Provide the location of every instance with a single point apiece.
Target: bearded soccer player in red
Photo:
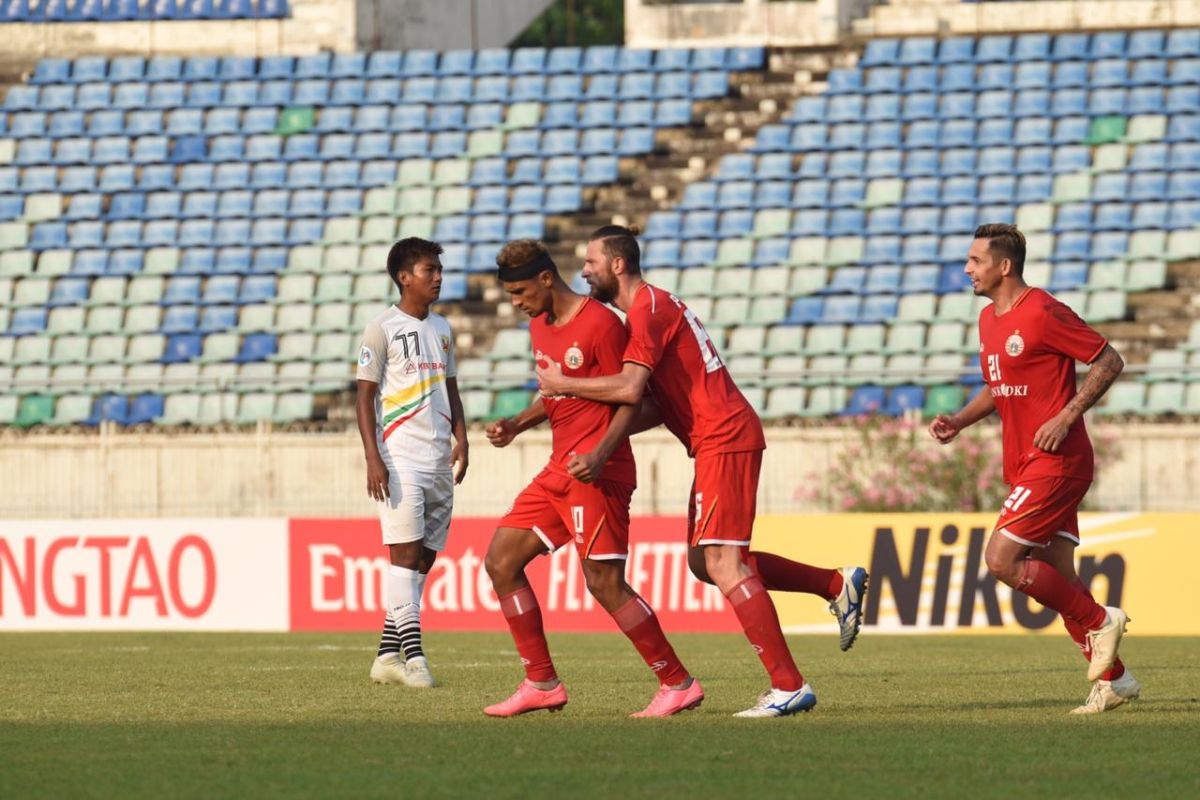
(1029, 343)
(582, 496)
(670, 352)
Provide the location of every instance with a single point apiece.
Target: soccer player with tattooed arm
(1029, 343)
(671, 354)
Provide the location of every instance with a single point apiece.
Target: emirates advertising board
(927, 575)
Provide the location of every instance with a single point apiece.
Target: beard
(604, 291)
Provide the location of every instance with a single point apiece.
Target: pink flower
(848, 503)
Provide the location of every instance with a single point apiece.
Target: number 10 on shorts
(577, 518)
(1019, 495)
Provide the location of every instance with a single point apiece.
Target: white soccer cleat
(1107, 695)
(388, 668)
(1104, 642)
(778, 703)
(417, 674)
(848, 605)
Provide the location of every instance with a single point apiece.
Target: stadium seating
(194, 214)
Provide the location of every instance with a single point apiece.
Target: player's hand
(501, 432)
(377, 480)
(586, 467)
(943, 429)
(458, 461)
(550, 377)
(1051, 435)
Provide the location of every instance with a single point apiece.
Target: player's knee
(499, 564)
(724, 566)
(1001, 568)
(603, 581)
(697, 566)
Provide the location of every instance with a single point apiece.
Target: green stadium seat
(8, 408)
(884, 192)
(375, 288)
(294, 376)
(41, 207)
(1035, 217)
(1106, 275)
(256, 318)
(66, 320)
(71, 409)
(1147, 244)
(1106, 129)
(378, 229)
(54, 262)
(452, 172)
(697, 282)
(664, 278)
(106, 378)
(772, 222)
(179, 377)
(35, 409)
(865, 339)
(295, 347)
(104, 320)
(789, 339)
(217, 408)
(341, 230)
(826, 369)
(512, 373)
(31, 377)
(142, 290)
(960, 306)
(296, 289)
(421, 227)
(474, 373)
(785, 401)
(415, 172)
(943, 399)
(1110, 157)
(216, 377)
(1165, 365)
(736, 253)
(415, 201)
(332, 317)
(1164, 398)
(305, 258)
(31, 292)
(108, 291)
(477, 404)
(379, 201)
(942, 367)
(509, 402)
(451, 200)
(180, 409)
(333, 289)
(747, 370)
(523, 115)
(293, 407)
(16, 263)
(68, 379)
(13, 235)
(865, 368)
(916, 307)
(294, 317)
(510, 343)
(945, 337)
(843, 250)
(1183, 245)
(341, 258)
(339, 347)
(771, 281)
(220, 347)
(32, 350)
(482, 144)
(1191, 401)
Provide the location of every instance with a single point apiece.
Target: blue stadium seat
(256, 347)
(217, 319)
(68, 292)
(146, 408)
(904, 399)
(183, 346)
(702, 194)
(528, 61)
(865, 400)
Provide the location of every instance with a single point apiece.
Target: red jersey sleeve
(1066, 333)
(648, 333)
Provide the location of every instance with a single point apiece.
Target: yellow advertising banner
(928, 575)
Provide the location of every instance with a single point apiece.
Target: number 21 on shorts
(1019, 495)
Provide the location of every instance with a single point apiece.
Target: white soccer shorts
(419, 508)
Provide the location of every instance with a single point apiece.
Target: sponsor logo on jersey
(410, 367)
(573, 357)
(445, 344)
(364, 357)
(1008, 390)
(1015, 345)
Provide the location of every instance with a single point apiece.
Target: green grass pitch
(222, 715)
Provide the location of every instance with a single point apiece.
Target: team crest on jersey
(573, 358)
(445, 344)
(1015, 345)
(364, 357)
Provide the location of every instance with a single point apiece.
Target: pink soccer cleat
(668, 702)
(528, 698)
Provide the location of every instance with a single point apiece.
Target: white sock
(404, 603)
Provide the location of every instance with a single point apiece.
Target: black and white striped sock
(408, 629)
(389, 641)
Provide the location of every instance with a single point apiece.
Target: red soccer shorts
(1038, 509)
(724, 498)
(560, 509)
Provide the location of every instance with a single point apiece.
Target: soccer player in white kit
(408, 409)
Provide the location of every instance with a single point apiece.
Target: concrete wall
(444, 24)
(264, 473)
(947, 17)
(752, 22)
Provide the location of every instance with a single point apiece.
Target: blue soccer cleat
(848, 605)
(778, 703)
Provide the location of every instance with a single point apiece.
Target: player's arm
(588, 467)
(501, 432)
(377, 471)
(648, 416)
(623, 388)
(458, 425)
(945, 428)
(1104, 370)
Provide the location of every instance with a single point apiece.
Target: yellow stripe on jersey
(405, 395)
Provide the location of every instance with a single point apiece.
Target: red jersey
(1028, 357)
(698, 400)
(589, 345)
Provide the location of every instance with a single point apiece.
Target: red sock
(780, 574)
(637, 621)
(756, 612)
(524, 618)
(1047, 585)
(1080, 636)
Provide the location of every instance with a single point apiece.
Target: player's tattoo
(1104, 370)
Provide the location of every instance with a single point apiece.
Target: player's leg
(1032, 516)
(1117, 686)
(720, 521)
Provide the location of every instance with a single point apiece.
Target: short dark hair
(620, 241)
(521, 252)
(1005, 241)
(405, 254)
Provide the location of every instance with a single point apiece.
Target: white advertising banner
(142, 574)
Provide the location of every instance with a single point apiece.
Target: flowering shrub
(895, 465)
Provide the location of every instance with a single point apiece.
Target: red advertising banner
(337, 571)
